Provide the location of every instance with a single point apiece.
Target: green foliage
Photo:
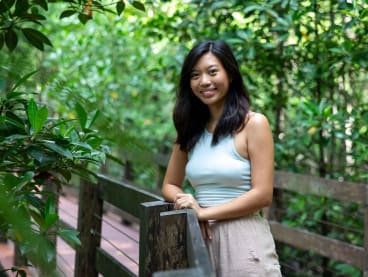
(17, 15)
(36, 150)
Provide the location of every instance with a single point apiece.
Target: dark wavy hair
(191, 115)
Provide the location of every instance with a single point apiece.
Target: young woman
(226, 152)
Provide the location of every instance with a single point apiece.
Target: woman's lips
(208, 92)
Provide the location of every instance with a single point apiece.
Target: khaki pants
(243, 248)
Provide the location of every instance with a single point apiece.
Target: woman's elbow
(265, 198)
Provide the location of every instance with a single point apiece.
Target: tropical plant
(35, 152)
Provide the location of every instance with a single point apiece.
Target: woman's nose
(205, 80)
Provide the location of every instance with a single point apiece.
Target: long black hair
(191, 115)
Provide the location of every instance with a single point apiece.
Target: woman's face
(209, 80)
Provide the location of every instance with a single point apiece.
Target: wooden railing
(331, 248)
(170, 241)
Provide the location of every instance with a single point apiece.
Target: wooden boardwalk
(119, 240)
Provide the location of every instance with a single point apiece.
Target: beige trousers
(243, 248)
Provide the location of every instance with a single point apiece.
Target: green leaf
(36, 38)
(32, 113)
(50, 220)
(11, 39)
(138, 5)
(23, 79)
(70, 236)
(65, 173)
(41, 117)
(36, 216)
(58, 149)
(21, 7)
(67, 13)
(84, 17)
(83, 146)
(50, 206)
(37, 118)
(82, 115)
(26, 179)
(120, 6)
(95, 116)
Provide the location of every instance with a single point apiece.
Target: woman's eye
(213, 72)
(194, 75)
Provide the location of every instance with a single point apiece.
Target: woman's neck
(215, 115)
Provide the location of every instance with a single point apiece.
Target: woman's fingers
(183, 201)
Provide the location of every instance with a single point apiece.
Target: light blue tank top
(217, 173)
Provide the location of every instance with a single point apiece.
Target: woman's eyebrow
(208, 67)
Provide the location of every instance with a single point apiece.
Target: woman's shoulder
(254, 119)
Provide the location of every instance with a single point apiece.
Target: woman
(226, 152)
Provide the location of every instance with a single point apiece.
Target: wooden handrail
(157, 223)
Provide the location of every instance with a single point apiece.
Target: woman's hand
(187, 201)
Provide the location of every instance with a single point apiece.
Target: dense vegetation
(304, 62)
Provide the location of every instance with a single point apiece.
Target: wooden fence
(354, 255)
(171, 243)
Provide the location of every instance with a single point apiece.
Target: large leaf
(70, 236)
(138, 5)
(82, 115)
(67, 13)
(36, 38)
(37, 117)
(11, 39)
(120, 6)
(59, 149)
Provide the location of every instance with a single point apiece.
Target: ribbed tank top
(217, 173)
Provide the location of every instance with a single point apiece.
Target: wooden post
(148, 236)
(172, 241)
(89, 227)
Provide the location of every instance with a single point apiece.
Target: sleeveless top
(217, 173)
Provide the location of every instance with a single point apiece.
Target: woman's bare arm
(175, 173)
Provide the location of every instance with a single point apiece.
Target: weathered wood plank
(124, 196)
(306, 184)
(148, 236)
(348, 253)
(172, 241)
(109, 266)
(197, 253)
